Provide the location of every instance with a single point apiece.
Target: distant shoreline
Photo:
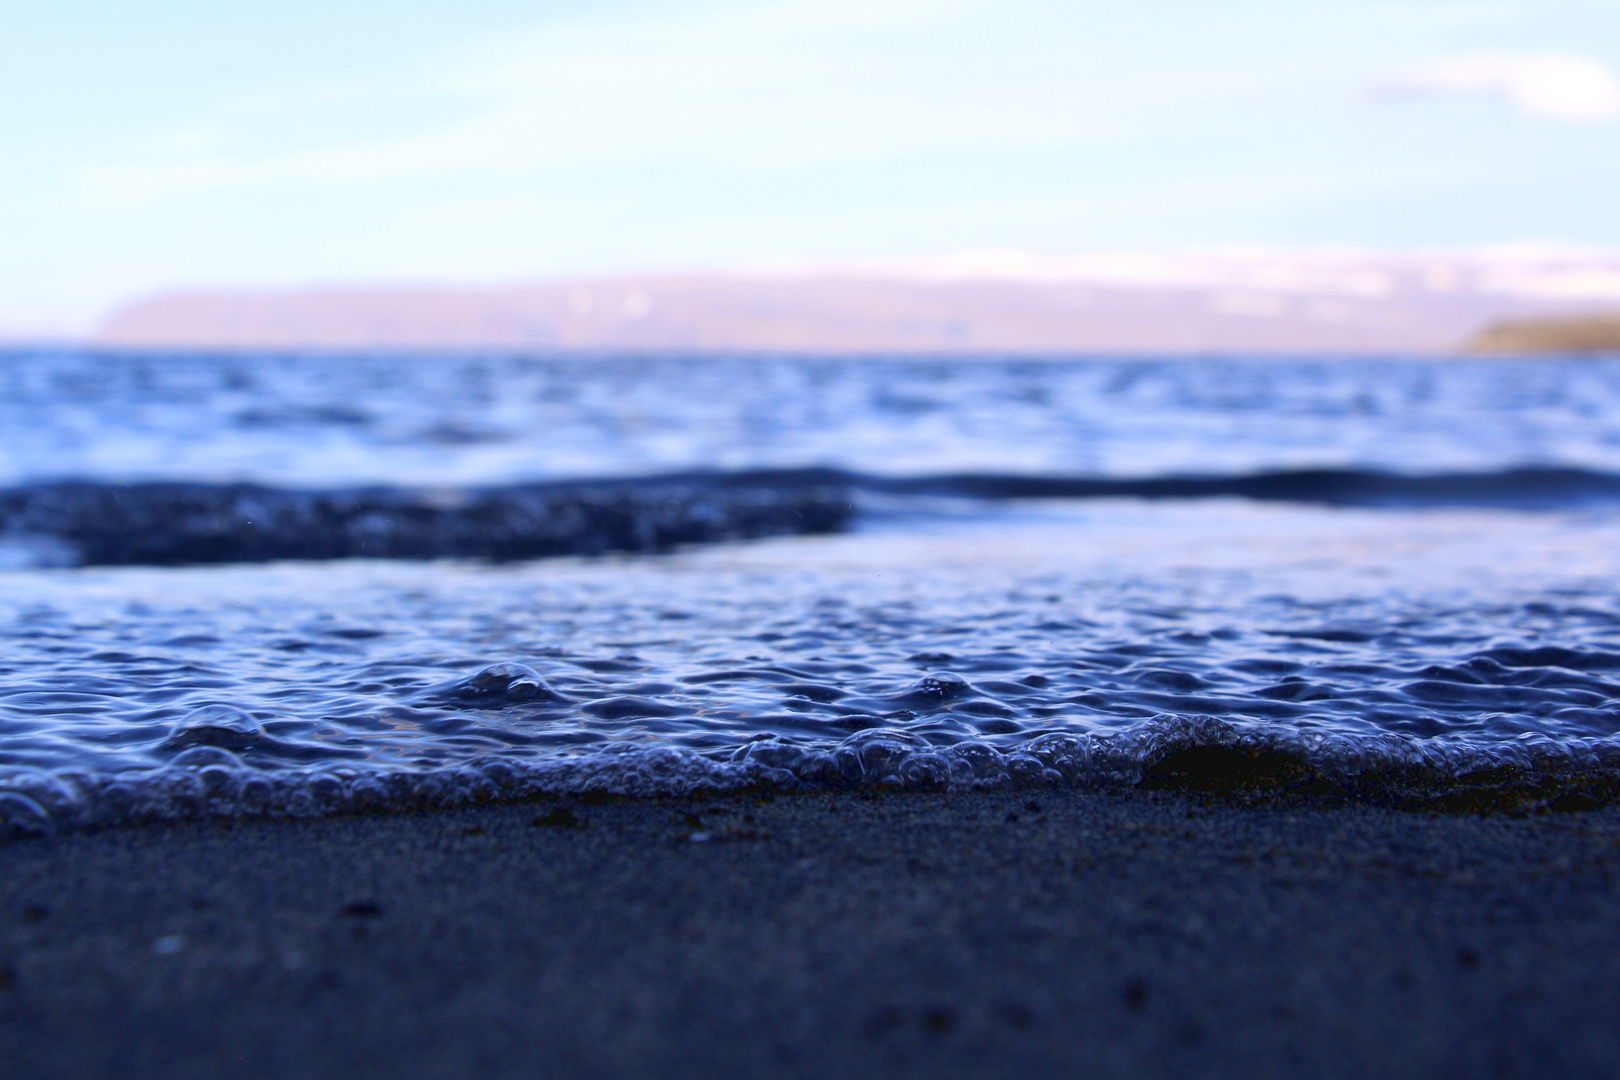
(1291, 304)
(1598, 332)
(1466, 351)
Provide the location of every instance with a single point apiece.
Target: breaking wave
(168, 524)
(82, 523)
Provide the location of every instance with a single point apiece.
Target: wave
(1524, 488)
(166, 524)
(90, 523)
(1197, 754)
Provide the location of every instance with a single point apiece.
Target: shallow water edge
(1459, 658)
(1198, 755)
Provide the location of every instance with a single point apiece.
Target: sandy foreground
(1131, 934)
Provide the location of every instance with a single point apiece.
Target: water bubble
(175, 793)
(217, 725)
(256, 794)
(22, 816)
(1026, 770)
(979, 765)
(880, 752)
(327, 790)
(925, 771)
(199, 756)
(772, 754)
(504, 683)
(938, 686)
(220, 783)
(368, 792)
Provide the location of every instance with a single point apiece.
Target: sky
(178, 144)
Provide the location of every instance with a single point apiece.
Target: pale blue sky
(179, 143)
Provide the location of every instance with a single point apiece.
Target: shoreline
(991, 934)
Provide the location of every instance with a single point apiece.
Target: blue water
(314, 421)
(795, 573)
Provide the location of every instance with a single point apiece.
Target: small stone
(561, 818)
(1135, 995)
(1575, 802)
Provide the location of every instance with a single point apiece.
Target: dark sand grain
(898, 935)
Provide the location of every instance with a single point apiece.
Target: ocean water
(300, 584)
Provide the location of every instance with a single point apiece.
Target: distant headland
(1525, 299)
(1598, 332)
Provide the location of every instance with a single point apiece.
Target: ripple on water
(1024, 668)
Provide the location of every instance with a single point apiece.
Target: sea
(304, 583)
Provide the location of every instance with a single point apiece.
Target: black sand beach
(1131, 934)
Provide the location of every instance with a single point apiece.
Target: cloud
(1560, 87)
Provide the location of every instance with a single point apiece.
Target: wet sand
(1133, 934)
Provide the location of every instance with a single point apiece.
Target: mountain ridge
(1014, 304)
